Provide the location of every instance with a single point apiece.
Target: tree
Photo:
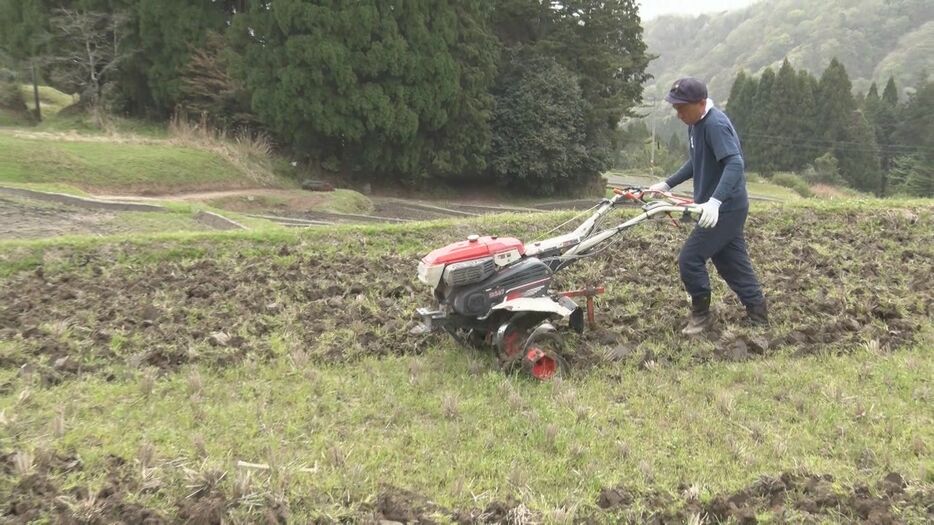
(740, 104)
(89, 50)
(882, 118)
(207, 88)
(377, 89)
(846, 132)
(676, 145)
(600, 42)
(890, 93)
(913, 168)
(23, 35)
(539, 129)
(806, 137)
(786, 121)
(913, 176)
(859, 156)
(166, 32)
(759, 138)
(835, 100)
(824, 170)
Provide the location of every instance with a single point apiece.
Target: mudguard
(563, 306)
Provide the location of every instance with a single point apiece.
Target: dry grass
(250, 152)
(825, 191)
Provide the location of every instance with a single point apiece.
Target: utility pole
(35, 90)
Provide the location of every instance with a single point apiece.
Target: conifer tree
(845, 130)
(166, 33)
(835, 100)
(859, 156)
(890, 93)
(393, 90)
(914, 135)
(785, 121)
(758, 137)
(806, 136)
(872, 96)
(739, 105)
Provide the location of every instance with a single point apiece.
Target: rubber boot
(757, 314)
(701, 318)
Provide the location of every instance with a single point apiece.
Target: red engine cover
(473, 249)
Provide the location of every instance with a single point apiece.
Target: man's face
(692, 112)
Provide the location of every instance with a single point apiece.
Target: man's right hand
(660, 187)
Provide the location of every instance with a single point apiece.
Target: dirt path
(197, 196)
(31, 215)
(22, 219)
(301, 205)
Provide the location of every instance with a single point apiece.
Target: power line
(821, 143)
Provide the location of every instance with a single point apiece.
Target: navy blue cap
(686, 91)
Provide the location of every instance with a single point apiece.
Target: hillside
(872, 38)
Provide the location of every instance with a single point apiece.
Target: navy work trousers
(725, 244)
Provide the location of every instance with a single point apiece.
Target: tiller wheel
(541, 356)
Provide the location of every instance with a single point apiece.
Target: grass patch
(346, 201)
(292, 201)
(46, 187)
(51, 100)
(756, 185)
(343, 432)
(760, 186)
(144, 168)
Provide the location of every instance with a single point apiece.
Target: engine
(470, 277)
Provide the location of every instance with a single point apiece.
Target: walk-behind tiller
(494, 291)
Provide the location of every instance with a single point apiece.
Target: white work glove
(710, 212)
(660, 186)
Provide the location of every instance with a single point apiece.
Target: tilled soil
(830, 290)
(787, 497)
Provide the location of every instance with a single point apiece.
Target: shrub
(11, 97)
(825, 170)
(796, 183)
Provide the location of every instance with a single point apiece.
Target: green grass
(50, 187)
(755, 185)
(51, 100)
(347, 201)
(12, 119)
(429, 424)
(114, 166)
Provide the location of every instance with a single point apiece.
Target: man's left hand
(710, 212)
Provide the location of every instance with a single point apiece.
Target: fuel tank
(529, 277)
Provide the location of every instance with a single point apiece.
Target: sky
(652, 8)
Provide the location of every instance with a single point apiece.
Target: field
(273, 376)
(153, 369)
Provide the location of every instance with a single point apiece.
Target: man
(715, 163)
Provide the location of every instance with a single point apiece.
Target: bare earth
(26, 219)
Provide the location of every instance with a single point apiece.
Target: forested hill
(873, 39)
